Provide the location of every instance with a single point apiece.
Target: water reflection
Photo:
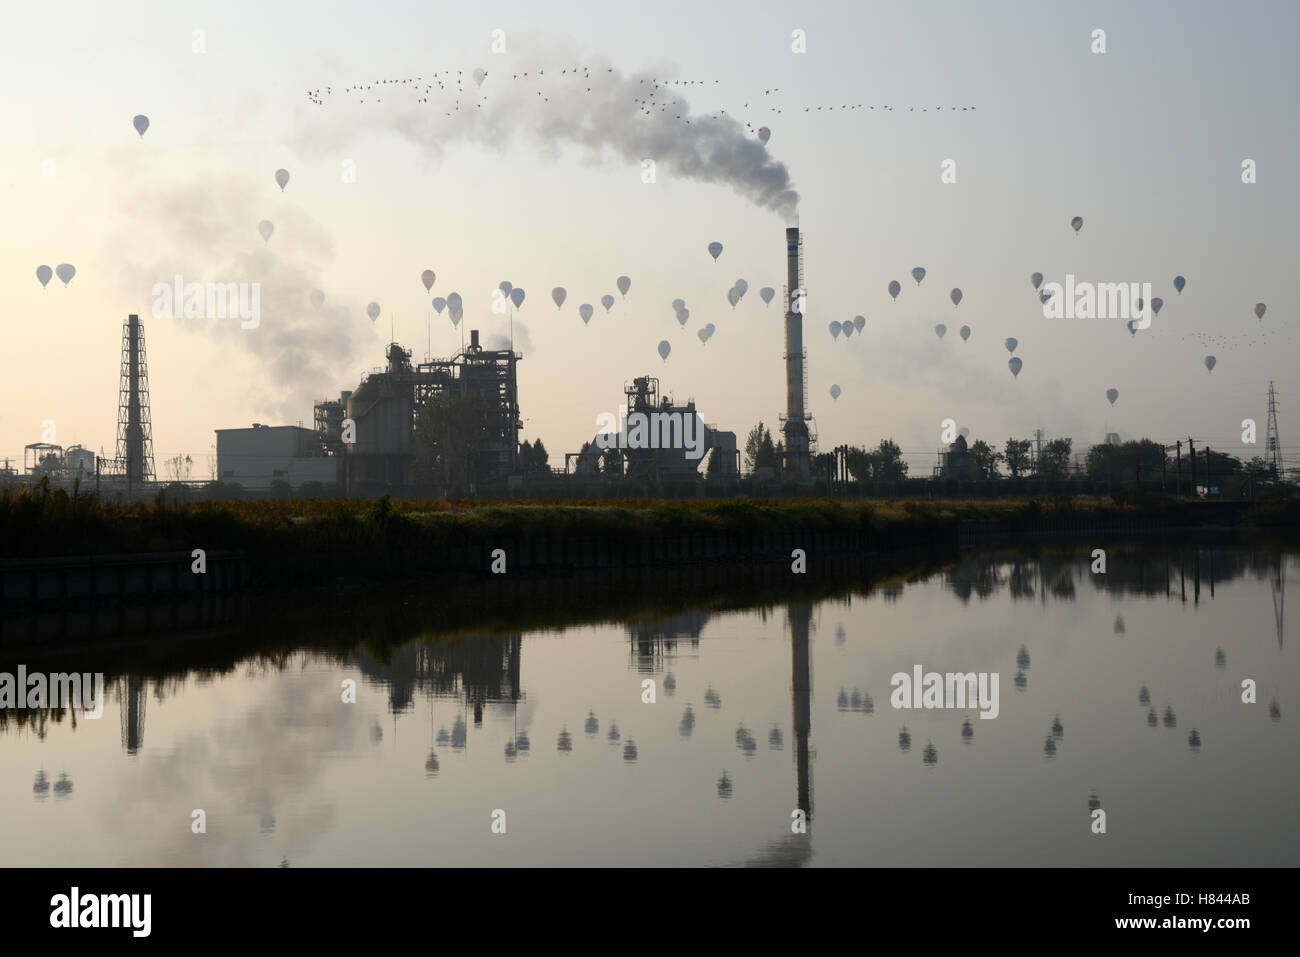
(482, 674)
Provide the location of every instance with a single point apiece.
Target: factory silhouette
(439, 427)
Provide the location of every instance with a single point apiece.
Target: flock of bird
(417, 89)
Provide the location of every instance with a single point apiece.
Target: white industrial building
(256, 457)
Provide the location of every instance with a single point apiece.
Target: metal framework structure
(134, 458)
(1274, 447)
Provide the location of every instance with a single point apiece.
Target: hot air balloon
(835, 329)
(282, 178)
(847, 329)
(439, 304)
(955, 296)
(1210, 363)
(1011, 344)
(65, 272)
(558, 294)
(266, 228)
(859, 323)
(715, 250)
(767, 294)
(1133, 327)
(624, 284)
(683, 314)
(835, 392)
(742, 287)
(918, 274)
(317, 298)
(665, 347)
(733, 296)
(585, 311)
(1259, 309)
(894, 288)
(1141, 303)
(965, 333)
(764, 134)
(607, 301)
(427, 277)
(517, 296)
(1014, 365)
(1077, 223)
(1112, 395)
(706, 333)
(455, 304)
(678, 305)
(141, 123)
(44, 274)
(479, 74)
(1156, 305)
(940, 329)
(1179, 283)
(1044, 296)
(505, 286)
(1036, 279)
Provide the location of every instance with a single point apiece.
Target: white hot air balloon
(317, 298)
(835, 329)
(44, 274)
(558, 294)
(282, 178)
(624, 284)
(607, 301)
(65, 272)
(141, 123)
(767, 294)
(585, 311)
(835, 392)
(665, 347)
(266, 228)
(372, 311)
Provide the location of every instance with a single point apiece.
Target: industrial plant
(442, 426)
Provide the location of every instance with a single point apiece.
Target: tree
(860, 463)
(889, 465)
(1055, 459)
(759, 450)
(446, 437)
(1016, 455)
(1122, 461)
(525, 454)
(714, 465)
(541, 458)
(611, 463)
(985, 459)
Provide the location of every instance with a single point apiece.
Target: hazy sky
(1144, 142)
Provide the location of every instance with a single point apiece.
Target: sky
(541, 184)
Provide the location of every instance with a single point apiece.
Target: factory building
(257, 457)
(372, 428)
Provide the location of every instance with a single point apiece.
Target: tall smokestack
(798, 463)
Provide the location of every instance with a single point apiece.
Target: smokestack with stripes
(798, 461)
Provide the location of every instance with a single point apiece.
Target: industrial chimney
(798, 462)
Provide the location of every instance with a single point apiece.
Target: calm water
(757, 713)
